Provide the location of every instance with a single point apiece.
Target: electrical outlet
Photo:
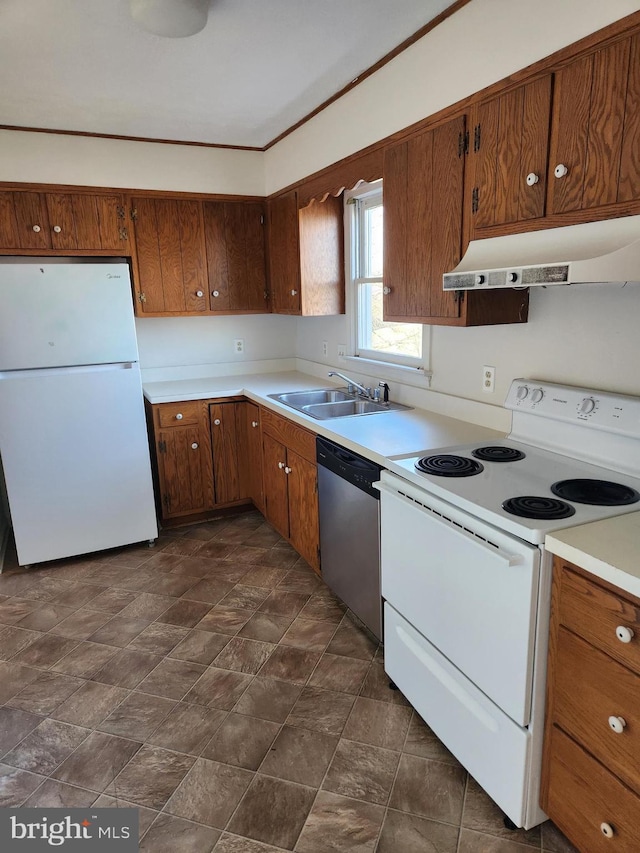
(342, 350)
(238, 346)
(325, 348)
(488, 379)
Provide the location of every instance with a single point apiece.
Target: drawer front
(295, 437)
(599, 616)
(589, 689)
(582, 796)
(179, 414)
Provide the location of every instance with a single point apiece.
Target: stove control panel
(600, 409)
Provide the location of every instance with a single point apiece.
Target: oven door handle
(481, 542)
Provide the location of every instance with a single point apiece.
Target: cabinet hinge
(124, 234)
(261, 219)
(120, 211)
(162, 447)
(459, 297)
(266, 295)
(475, 195)
(463, 143)
(477, 133)
(134, 213)
(166, 500)
(142, 297)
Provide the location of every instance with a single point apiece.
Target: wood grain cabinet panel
(24, 223)
(87, 222)
(184, 471)
(235, 241)
(303, 508)
(306, 256)
(171, 256)
(591, 762)
(226, 432)
(251, 471)
(276, 495)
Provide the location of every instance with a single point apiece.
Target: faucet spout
(366, 392)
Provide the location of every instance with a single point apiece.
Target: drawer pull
(179, 416)
(624, 634)
(194, 446)
(617, 724)
(606, 829)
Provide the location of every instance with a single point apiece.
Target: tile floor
(215, 683)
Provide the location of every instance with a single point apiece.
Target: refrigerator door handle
(55, 371)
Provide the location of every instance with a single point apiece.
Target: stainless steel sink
(297, 399)
(326, 403)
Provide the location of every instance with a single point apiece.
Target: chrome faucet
(351, 383)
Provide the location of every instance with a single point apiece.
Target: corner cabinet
(423, 188)
(306, 256)
(591, 765)
(291, 484)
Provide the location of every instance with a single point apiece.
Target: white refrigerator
(73, 437)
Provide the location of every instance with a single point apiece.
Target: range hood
(605, 251)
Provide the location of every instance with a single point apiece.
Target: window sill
(416, 376)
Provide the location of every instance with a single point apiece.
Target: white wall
(91, 161)
(483, 42)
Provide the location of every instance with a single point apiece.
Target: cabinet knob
(217, 422)
(254, 424)
(280, 464)
(560, 170)
(294, 292)
(386, 290)
(179, 416)
(194, 446)
(617, 724)
(36, 228)
(57, 229)
(532, 179)
(624, 634)
(199, 293)
(215, 293)
(606, 829)
(287, 470)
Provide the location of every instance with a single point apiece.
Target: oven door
(468, 588)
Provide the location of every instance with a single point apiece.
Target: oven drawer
(583, 798)
(489, 744)
(467, 587)
(589, 690)
(605, 619)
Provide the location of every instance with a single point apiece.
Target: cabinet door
(509, 143)
(23, 221)
(87, 222)
(303, 508)
(234, 234)
(284, 254)
(251, 453)
(225, 434)
(321, 229)
(423, 194)
(171, 259)
(184, 471)
(276, 501)
(595, 130)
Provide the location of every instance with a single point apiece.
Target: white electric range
(466, 579)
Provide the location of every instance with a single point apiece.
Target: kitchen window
(372, 337)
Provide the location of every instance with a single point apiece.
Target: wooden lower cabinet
(291, 484)
(225, 420)
(591, 780)
(251, 463)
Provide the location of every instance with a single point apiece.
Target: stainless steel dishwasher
(350, 530)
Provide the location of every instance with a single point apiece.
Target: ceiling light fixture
(171, 18)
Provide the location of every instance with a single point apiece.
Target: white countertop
(376, 436)
(609, 549)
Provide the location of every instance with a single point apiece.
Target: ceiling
(257, 68)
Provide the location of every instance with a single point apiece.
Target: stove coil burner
(596, 492)
(498, 454)
(448, 465)
(534, 506)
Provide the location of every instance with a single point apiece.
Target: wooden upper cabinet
(508, 145)
(24, 223)
(92, 222)
(235, 241)
(595, 138)
(423, 198)
(171, 257)
(306, 256)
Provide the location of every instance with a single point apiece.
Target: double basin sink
(327, 403)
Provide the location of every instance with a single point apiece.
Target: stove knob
(480, 278)
(522, 392)
(587, 406)
(537, 395)
(512, 277)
